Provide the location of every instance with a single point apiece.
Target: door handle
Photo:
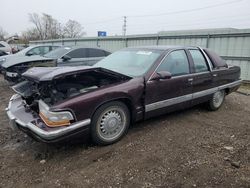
(190, 80)
(214, 75)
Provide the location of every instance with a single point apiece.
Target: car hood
(40, 74)
(15, 60)
(5, 58)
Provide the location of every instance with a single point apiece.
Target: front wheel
(217, 100)
(110, 123)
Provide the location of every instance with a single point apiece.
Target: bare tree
(52, 28)
(30, 34)
(3, 34)
(73, 29)
(36, 20)
(46, 27)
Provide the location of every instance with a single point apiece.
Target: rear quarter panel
(226, 75)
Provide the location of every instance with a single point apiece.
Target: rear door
(95, 55)
(202, 80)
(166, 95)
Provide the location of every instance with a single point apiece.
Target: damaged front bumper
(12, 77)
(30, 123)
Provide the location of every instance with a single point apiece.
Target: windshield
(130, 62)
(58, 52)
(23, 51)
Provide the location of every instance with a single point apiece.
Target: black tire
(110, 123)
(216, 101)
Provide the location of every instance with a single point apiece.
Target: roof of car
(37, 45)
(161, 47)
(79, 46)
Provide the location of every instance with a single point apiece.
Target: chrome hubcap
(111, 123)
(218, 98)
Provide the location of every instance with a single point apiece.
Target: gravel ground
(191, 148)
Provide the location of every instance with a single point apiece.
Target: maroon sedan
(132, 84)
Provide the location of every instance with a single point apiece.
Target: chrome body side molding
(169, 102)
(188, 97)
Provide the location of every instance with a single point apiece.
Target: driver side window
(176, 63)
(34, 51)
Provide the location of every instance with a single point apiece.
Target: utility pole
(124, 27)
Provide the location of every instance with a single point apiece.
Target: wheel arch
(125, 100)
(227, 91)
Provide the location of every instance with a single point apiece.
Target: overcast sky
(143, 16)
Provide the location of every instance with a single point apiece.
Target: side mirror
(162, 75)
(30, 53)
(66, 58)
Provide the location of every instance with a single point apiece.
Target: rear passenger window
(176, 63)
(200, 64)
(96, 53)
(78, 53)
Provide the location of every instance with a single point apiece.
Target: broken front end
(14, 73)
(32, 109)
(28, 111)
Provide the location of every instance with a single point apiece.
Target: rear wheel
(110, 123)
(217, 100)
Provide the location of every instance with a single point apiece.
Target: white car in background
(29, 51)
(4, 46)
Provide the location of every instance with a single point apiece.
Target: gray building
(232, 44)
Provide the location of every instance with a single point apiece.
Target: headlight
(54, 119)
(2, 60)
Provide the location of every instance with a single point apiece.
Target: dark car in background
(133, 84)
(77, 55)
(63, 56)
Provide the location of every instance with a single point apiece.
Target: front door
(78, 57)
(167, 95)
